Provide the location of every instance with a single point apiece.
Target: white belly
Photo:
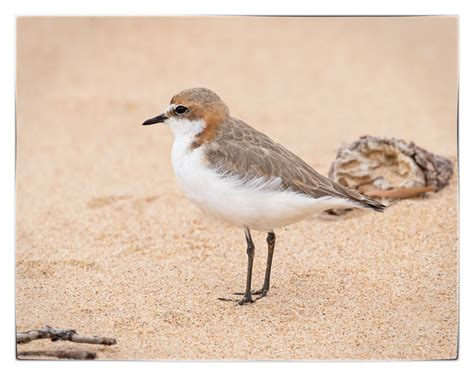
(259, 205)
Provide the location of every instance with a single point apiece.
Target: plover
(238, 174)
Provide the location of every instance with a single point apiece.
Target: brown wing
(250, 154)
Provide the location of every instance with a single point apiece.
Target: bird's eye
(180, 110)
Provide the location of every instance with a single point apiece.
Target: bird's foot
(246, 299)
(262, 292)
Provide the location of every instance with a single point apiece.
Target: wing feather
(242, 151)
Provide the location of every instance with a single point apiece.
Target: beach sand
(107, 244)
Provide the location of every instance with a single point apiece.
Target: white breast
(258, 204)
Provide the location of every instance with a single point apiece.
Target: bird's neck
(186, 129)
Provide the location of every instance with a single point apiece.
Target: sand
(106, 243)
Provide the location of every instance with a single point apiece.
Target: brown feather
(239, 150)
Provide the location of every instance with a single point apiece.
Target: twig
(62, 335)
(78, 355)
(399, 192)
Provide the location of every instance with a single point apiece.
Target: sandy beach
(106, 243)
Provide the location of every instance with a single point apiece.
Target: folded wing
(242, 151)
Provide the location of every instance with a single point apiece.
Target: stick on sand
(400, 192)
(62, 335)
(77, 355)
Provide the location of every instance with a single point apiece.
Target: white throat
(184, 128)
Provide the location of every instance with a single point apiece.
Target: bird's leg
(248, 287)
(250, 253)
(271, 238)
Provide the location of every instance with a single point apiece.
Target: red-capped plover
(238, 174)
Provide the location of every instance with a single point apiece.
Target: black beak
(158, 119)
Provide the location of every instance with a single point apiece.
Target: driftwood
(399, 192)
(390, 169)
(60, 354)
(62, 335)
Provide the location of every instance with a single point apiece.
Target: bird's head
(195, 112)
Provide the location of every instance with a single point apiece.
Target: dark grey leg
(271, 238)
(248, 286)
(250, 253)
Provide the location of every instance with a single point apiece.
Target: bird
(237, 174)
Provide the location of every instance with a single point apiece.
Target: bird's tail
(373, 205)
(359, 199)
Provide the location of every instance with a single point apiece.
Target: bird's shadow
(339, 215)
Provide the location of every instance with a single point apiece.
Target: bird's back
(240, 150)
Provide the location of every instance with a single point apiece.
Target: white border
(464, 365)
